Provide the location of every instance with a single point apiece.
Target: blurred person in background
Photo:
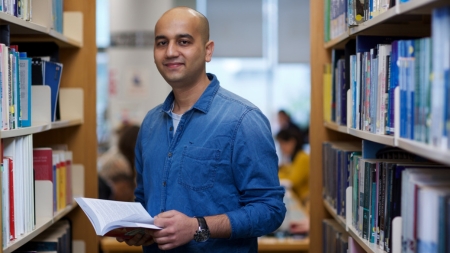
(294, 174)
(116, 167)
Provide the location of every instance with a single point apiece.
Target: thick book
(116, 218)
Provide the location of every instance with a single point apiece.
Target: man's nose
(172, 50)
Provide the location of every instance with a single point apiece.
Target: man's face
(180, 52)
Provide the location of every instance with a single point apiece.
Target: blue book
(52, 76)
(373, 202)
(410, 87)
(353, 88)
(393, 83)
(25, 88)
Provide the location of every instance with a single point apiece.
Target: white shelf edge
(38, 29)
(374, 21)
(414, 5)
(334, 126)
(66, 123)
(338, 39)
(22, 23)
(60, 214)
(425, 150)
(398, 10)
(65, 39)
(39, 128)
(41, 226)
(383, 139)
(368, 247)
(25, 131)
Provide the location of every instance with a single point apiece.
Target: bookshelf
(412, 19)
(77, 128)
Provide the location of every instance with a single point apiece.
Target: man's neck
(186, 97)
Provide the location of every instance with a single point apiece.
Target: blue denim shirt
(221, 160)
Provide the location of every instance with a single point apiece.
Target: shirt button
(170, 155)
(164, 183)
(171, 128)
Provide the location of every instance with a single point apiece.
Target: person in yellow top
(296, 172)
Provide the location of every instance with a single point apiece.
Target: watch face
(201, 235)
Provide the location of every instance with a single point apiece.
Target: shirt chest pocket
(198, 168)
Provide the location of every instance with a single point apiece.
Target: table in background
(265, 245)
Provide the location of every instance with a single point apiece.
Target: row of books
(387, 183)
(336, 239)
(43, 12)
(339, 14)
(56, 239)
(22, 168)
(18, 72)
(360, 84)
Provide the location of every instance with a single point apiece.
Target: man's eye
(184, 42)
(161, 43)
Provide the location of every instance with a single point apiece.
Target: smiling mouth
(173, 65)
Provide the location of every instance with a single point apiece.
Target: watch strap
(202, 223)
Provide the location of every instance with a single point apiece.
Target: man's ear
(209, 50)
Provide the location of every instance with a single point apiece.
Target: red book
(69, 197)
(12, 230)
(43, 164)
(43, 168)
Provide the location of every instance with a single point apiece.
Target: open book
(116, 218)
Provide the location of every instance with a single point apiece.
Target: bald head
(201, 22)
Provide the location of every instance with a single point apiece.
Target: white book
(19, 185)
(385, 50)
(428, 218)
(5, 88)
(116, 218)
(412, 179)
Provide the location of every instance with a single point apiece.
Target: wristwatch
(202, 234)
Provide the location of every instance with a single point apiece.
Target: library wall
(135, 85)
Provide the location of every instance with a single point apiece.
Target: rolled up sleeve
(255, 172)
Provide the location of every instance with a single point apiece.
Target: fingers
(141, 239)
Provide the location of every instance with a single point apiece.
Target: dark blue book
(393, 83)
(447, 227)
(336, 55)
(52, 76)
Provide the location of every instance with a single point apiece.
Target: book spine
(381, 204)
(366, 209)
(388, 208)
(373, 204)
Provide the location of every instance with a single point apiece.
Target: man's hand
(177, 229)
(140, 239)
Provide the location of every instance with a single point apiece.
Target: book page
(107, 211)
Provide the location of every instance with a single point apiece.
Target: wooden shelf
(381, 18)
(383, 139)
(420, 7)
(379, 24)
(41, 226)
(25, 131)
(333, 213)
(336, 127)
(418, 148)
(22, 30)
(425, 150)
(339, 41)
(368, 247)
(66, 123)
(39, 128)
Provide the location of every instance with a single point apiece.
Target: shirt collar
(203, 103)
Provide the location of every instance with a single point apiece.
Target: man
(205, 158)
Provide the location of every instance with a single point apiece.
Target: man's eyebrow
(160, 37)
(185, 35)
